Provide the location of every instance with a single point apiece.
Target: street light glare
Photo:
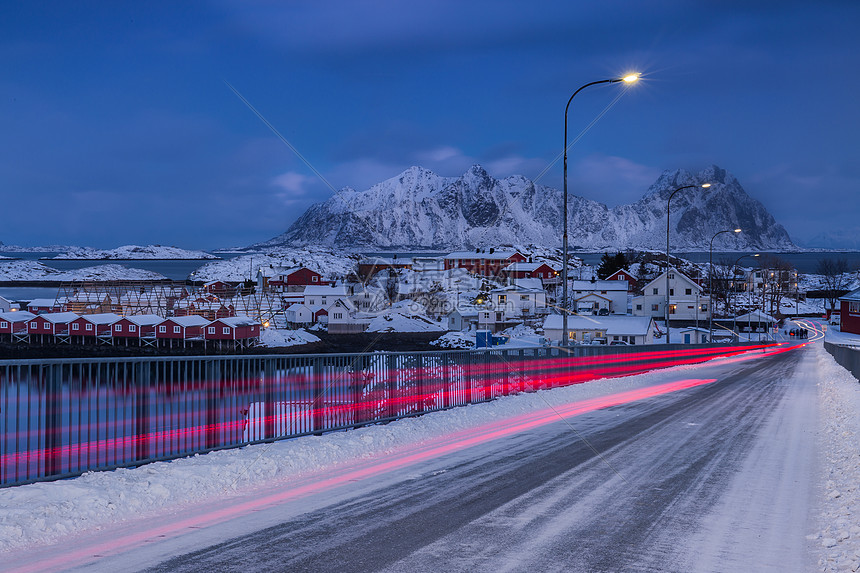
(630, 78)
(705, 185)
(737, 230)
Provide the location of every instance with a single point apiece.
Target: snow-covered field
(275, 338)
(45, 513)
(25, 270)
(133, 252)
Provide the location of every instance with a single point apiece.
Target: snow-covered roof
(236, 321)
(755, 316)
(851, 296)
(591, 295)
(600, 285)
(529, 283)
(495, 255)
(344, 302)
(17, 316)
(59, 317)
(145, 319)
(190, 320)
(46, 302)
(102, 318)
(526, 267)
(326, 290)
(515, 288)
(613, 325)
(296, 307)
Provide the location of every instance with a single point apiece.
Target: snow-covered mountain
(421, 210)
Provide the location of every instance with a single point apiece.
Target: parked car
(619, 343)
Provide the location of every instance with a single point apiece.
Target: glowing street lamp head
(737, 230)
(705, 185)
(631, 78)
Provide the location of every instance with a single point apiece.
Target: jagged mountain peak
(419, 209)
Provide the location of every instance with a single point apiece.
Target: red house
(137, 326)
(93, 324)
(56, 323)
(292, 280)
(849, 306)
(15, 322)
(233, 328)
(181, 327)
(624, 275)
(220, 288)
(488, 263)
(44, 305)
(542, 271)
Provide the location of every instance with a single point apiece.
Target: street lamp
(749, 321)
(668, 201)
(711, 282)
(628, 79)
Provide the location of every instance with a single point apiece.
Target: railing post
(54, 419)
(141, 411)
(318, 403)
(391, 384)
(210, 391)
(269, 400)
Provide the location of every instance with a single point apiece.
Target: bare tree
(835, 275)
(779, 279)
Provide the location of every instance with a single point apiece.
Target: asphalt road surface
(712, 478)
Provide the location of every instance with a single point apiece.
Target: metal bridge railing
(847, 356)
(60, 418)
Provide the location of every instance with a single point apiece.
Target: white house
(694, 335)
(464, 318)
(686, 298)
(343, 318)
(316, 297)
(517, 301)
(299, 314)
(5, 305)
(631, 330)
(615, 292)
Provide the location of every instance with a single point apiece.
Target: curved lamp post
(711, 282)
(733, 272)
(628, 79)
(668, 201)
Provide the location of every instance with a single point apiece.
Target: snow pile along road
(838, 522)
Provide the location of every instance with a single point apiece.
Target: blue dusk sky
(118, 125)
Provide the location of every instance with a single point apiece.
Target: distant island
(130, 253)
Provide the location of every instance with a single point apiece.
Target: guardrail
(60, 418)
(847, 356)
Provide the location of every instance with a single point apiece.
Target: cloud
(610, 179)
(294, 185)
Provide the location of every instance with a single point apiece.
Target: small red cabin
(233, 328)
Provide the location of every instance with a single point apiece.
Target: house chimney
(492, 250)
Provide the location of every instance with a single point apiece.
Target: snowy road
(713, 478)
(717, 474)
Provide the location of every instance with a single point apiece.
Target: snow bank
(273, 337)
(837, 523)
